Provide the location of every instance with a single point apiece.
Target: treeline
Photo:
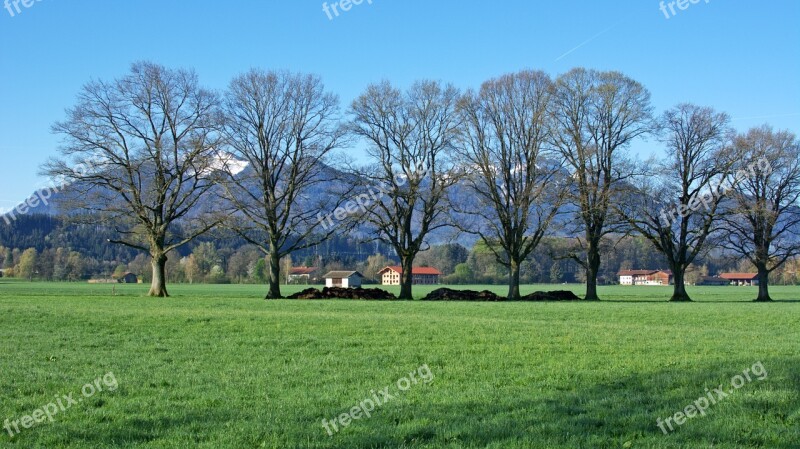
(44, 248)
(47, 238)
(520, 160)
(206, 262)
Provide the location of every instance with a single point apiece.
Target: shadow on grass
(616, 413)
(619, 413)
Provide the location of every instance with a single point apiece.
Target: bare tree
(676, 204)
(596, 115)
(411, 138)
(285, 127)
(140, 152)
(514, 180)
(764, 223)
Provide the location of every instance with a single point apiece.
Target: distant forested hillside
(45, 247)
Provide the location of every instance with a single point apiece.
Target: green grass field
(218, 367)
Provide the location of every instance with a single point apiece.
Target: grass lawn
(217, 367)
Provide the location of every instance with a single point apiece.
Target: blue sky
(738, 56)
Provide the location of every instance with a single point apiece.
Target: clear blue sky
(739, 56)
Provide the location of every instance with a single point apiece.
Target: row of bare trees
(526, 147)
(717, 190)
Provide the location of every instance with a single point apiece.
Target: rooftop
(342, 274)
(732, 276)
(642, 272)
(414, 270)
(302, 270)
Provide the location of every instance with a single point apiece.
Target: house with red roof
(302, 275)
(645, 277)
(419, 275)
(749, 279)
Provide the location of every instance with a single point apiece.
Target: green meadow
(219, 367)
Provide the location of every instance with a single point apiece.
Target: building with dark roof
(344, 279)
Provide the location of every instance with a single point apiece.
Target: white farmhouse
(344, 279)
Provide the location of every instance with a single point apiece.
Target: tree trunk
(679, 291)
(406, 278)
(274, 276)
(513, 282)
(592, 269)
(763, 284)
(158, 288)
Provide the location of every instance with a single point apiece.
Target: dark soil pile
(557, 295)
(343, 293)
(447, 294)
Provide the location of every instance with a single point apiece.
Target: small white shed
(344, 279)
